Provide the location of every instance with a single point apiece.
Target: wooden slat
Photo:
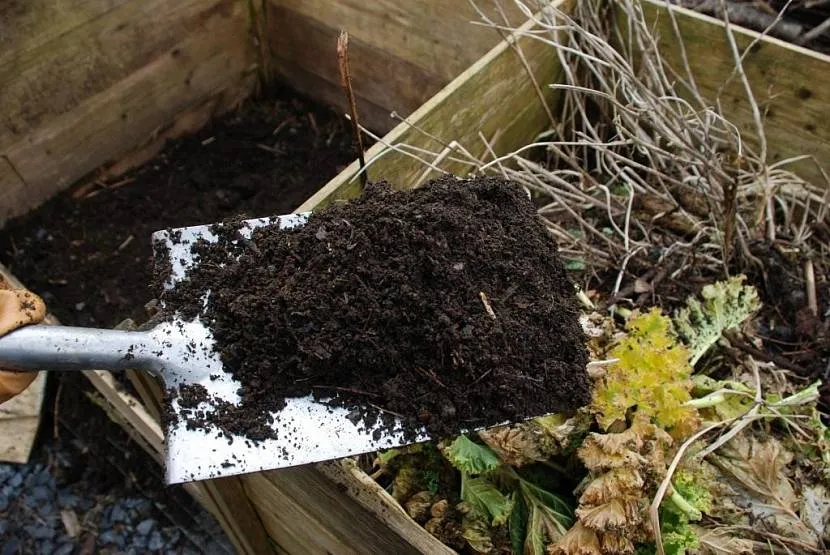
(305, 512)
(401, 52)
(790, 83)
(371, 496)
(494, 96)
(68, 59)
(211, 54)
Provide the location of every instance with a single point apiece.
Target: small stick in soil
(124, 244)
(431, 375)
(487, 306)
(346, 83)
(345, 390)
(810, 280)
(778, 360)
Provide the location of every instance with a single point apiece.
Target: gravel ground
(89, 489)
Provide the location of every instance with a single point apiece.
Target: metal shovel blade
(307, 430)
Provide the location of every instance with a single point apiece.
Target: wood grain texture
(401, 52)
(791, 84)
(378, 502)
(305, 512)
(495, 97)
(68, 59)
(211, 58)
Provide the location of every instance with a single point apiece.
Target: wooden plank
(305, 56)
(506, 106)
(109, 124)
(42, 78)
(305, 512)
(9, 181)
(401, 52)
(19, 421)
(371, 496)
(791, 84)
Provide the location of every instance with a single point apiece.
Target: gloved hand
(18, 307)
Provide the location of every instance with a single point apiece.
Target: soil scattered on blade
(448, 305)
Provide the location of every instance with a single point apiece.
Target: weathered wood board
(85, 82)
(401, 53)
(494, 100)
(791, 84)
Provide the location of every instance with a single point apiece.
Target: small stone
(44, 478)
(4, 526)
(107, 537)
(65, 549)
(156, 542)
(40, 532)
(46, 547)
(80, 306)
(16, 480)
(11, 547)
(4, 502)
(118, 514)
(68, 500)
(41, 493)
(145, 526)
(46, 510)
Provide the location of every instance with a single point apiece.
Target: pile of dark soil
(447, 305)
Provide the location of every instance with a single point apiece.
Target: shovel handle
(46, 347)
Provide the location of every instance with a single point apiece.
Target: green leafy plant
(495, 496)
(652, 375)
(725, 305)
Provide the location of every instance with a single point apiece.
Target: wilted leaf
(815, 508)
(616, 483)
(486, 500)
(385, 457)
(406, 483)
(470, 457)
(535, 539)
(757, 473)
(535, 494)
(726, 305)
(418, 506)
(477, 535)
(617, 513)
(616, 543)
(518, 525)
(720, 541)
(579, 540)
(514, 445)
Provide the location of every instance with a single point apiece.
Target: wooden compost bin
(98, 86)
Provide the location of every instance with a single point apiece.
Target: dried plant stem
(346, 83)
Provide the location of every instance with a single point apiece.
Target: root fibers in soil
(448, 305)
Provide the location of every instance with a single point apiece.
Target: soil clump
(448, 306)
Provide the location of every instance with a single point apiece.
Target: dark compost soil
(447, 305)
(88, 253)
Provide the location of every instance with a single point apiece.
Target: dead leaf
(70, 523)
(580, 540)
(720, 541)
(515, 446)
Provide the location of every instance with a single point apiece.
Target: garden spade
(181, 353)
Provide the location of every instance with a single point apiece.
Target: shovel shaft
(43, 347)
